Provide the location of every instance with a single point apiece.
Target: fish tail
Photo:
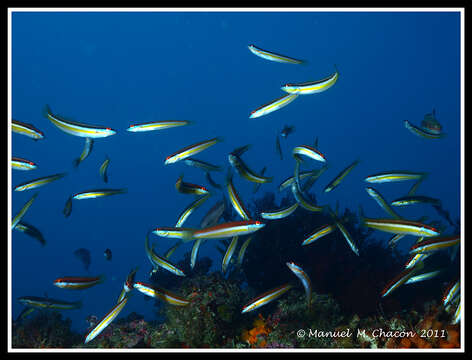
(76, 162)
(46, 111)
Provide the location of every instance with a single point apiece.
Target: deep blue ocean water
(116, 69)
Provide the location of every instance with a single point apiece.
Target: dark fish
(88, 146)
(443, 213)
(210, 180)
(213, 215)
(107, 254)
(277, 147)
(84, 256)
(241, 150)
(30, 230)
(287, 130)
(68, 207)
(103, 169)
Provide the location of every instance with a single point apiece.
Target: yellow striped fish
(272, 56)
(190, 209)
(76, 128)
(245, 172)
(335, 182)
(23, 211)
(435, 244)
(303, 277)
(303, 175)
(396, 226)
(393, 176)
(382, 202)
(308, 151)
(279, 214)
(26, 129)
(107, 319)
(191, 150)
(242, 250)
(318, 234)
(273, 106)
(302, 201)
(33, 184)
(266, 298)
(157, 125)
(93, 194)
(103, 169)
(312, 87)
(194, 253)
(229, 254)
(229, 229)
(235, 200)
(158, 261)
(161, 294)
(22, 164)
(85, 152)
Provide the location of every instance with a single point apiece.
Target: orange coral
(256, 336)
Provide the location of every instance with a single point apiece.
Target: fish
(280, 214)
(382, 202)
(93, 194)
(78, 283)
(311, 180)
(229, 253)
(303, 175)
(213, 215)
(185, 234)
(23, 211)
(205, 166)
(158, 261)
(241, 150)
(22, 164)
(27, 311)
(457, 315)
(160, 293)
(278, 149)
(26, 129)
(266, 298)
(272, 56)
(303, 277)
(396, 226)
(309, 152)
(157, 125)
(435, 244)
(107, 319)
(103, 169)
(48, 303)
(421, 132)
(415, 199)
(451, 291)
(76, 128)
(210, 180)
(242, 250)
(312, 87)
(243, 170)
(229, 229)
(33, 184)
(393, 176)
(335, 182)
(423, 277)
(235, 199)
(190, 209)
(68, 207)
(84, 256)
(273, 106)
(88, 146)
(415, 186)
(319, 233)
(431, 124)
(30, 230)
(415, 259)
(188, 188)
(258, 185)
(108, 255)
(128, 284)
(191, 150)
(302, 201)
(287, 130)
(348, 237)
(394, 239)
(399, 280)
(194, 253)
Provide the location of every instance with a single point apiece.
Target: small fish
(435, 244)
(279, 214)
(243, 170)
(33, 184)
(273, 106)
(108, 255)
(68, 207)
(194, 253)
(107, 319)
(422, 132)
(335, 182)
(207, 167)
(312, 87)
(278, 148)
(393, 176)
(78, 283)
(86, 152)
(398, 281)
(76, 128)
(303, 277)
(457, 315)
(103, 169)
(382, 202)
(302, 175)
(309, 152)
(158, 261)
(318, 234)
(348, 237)
(84, 256)
(93, 194)
(235, 199)
(210, 180)
(26, 129)
(188, 188)
(242, 250)
(48, 303)
(229, 229)
(396, 226)
(415, 259)
(157, 125)
(191, 150)
(311, 180)
(190, 209)
(128, 284)
(162, 294)
(30, 230)
(266, 298)
(241, 150)
(229, 253)
(451, 291)
(22, 164)
(272, 56)
(394, 239)
(23, 211)
(286, 131)
(213, 215)
(423, 277)
(415, 199)
(302, 201)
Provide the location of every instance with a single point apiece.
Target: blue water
(116, 69)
